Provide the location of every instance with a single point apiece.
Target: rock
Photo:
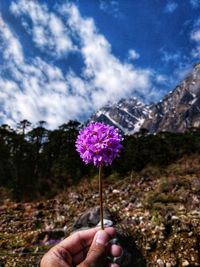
(49, 227)
(131, 255)
(116, 191)
(185, 263)
(22, 250)
(139, 205)
(195, 213)
(91, 218)
(129, 206)
(195, 200)
(148, 247)
(182, 208)
(106, 223)
(190, 234)
(175, 218)
(75, 196)
(196, 185)
(60, 218)
(65, 229)
(160, 263)
(39, 214)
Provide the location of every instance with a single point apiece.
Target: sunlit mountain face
(65, 60)
(178, 111)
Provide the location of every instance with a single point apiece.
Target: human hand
(87, 248)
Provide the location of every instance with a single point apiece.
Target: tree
(23, 125)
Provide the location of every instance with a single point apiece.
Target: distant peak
(177, 111)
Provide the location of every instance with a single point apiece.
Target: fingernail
(116, 250)
(114, 265)
(102, 238)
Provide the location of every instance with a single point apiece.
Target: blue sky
(62, 60)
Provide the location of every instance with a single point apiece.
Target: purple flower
(98, 143)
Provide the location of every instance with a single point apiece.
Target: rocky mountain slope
(128, 115)
(159, 212)
(176, 112)
(180, 109)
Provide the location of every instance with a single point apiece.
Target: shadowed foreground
(157, 210)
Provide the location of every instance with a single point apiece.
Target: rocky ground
(159, 209)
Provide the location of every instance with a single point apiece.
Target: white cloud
(169, 56)
(13, 49)
(182, 71)
(182, 66)
(112, 78)
(48, 31)
(38, 90)
(196, 52)
(111, 7)
(161, 79)
(132, 54)
(171, 7)
(196, 36)
(195, 3)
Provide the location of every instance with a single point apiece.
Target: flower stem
(101, 197)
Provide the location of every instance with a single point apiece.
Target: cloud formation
(195, 37)
(171, 7)
(47, 29)
(36, 90)
(133, 55)
(195, 3)
(111, 8)
(169, 56)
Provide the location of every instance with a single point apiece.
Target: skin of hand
(86, 248)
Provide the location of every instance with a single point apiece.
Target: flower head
(99, 143)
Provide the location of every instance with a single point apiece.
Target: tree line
(35, 161)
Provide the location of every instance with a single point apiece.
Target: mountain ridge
(176, 112)
(127, 114)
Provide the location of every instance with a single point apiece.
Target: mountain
(128, 115)
(176, 112)
(179, 109)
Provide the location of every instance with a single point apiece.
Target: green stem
(101, 197)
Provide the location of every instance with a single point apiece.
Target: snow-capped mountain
(179, 109)
(176, 112)
(128, 115)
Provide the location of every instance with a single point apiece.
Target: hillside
(158, 208)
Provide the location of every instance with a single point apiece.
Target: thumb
(96, 256)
